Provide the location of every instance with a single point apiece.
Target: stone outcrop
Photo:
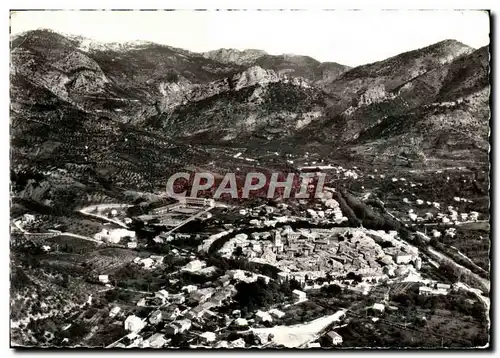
(231, 55)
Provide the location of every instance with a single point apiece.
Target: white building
(194, 265)
(239, 343)
(436, 233)
(114, 235)
(134, 324)
(162, 295)
(132, 245)
(183, 325)
(403, 258)
(157, 340)
(299, 295)
(208, 337)
(114, 311)
(427, 291)
(103, 278)
(262, 316)
(282, 276)
(241, 322)
(189, 288)
(379, 307)
(418, 263)
(28, 218)
(155, 317)
(222, 344)
(276, 313)
(147, 263)
(202, 295)
(334, 338)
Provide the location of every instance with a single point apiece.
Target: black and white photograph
(250, 179)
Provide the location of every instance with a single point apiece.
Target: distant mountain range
(432, 101)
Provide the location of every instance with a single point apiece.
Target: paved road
(442, 257)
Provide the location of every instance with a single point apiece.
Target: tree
(65, 282)
(238, 252)
(332, 290)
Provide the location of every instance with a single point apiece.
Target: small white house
(276, 313)
(263, 316)
(208, 337)
(428, 291)
(103, 278)
(132, 245)
(239, 343)
(473, 215)
(189, 288)
(134, 324)
(241, 322)
(183, 325)
(114, 311)
(403, 258)
(162, 295)
(334, 338)
(379, 307)
(157, 340)
(436, 233)
(202, 295)
(29, 218)
(299, 295)
(147, 263)
(194, 265)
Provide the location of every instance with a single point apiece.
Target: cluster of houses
(177, 317)
(452, 216)
(434, 288)
(311, 253)
(149, 263)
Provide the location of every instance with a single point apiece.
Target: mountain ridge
(286, 97)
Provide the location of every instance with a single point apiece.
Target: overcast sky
(347, 37)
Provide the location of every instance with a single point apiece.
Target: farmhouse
(333, 338)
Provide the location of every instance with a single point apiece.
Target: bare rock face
(183, 91)
(245, 57)
(254, 75)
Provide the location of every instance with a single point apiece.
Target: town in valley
(392, 252)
